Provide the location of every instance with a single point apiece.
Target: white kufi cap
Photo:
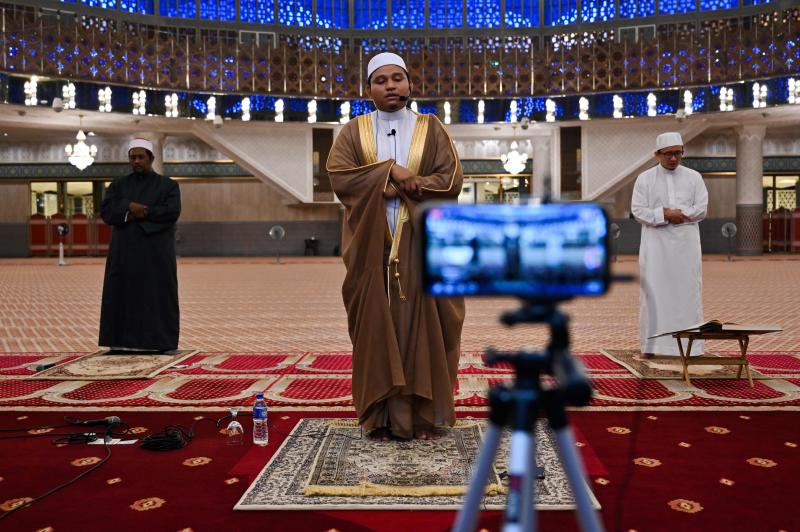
(383, 59)
(665, 140)
(140, 143)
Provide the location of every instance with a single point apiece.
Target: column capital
(750, 132)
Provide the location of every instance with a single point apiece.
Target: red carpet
(675, 471)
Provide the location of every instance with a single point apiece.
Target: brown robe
(406, 345)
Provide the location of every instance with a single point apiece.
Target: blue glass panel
(710, 5)
(177, 8)
(295, 12)
(142, 7)
(332, 14)
(560, 12)
(265, 11)
(445, 13)
(408, 13)
(483, 13)
(522, 13)
(756, 2)
(227, 10)
(361, 107)
(597, 10)
(468, 111)
(778, 90)
(96, 3)
(636, 8)
(247, 10)
(370, 14)
(426, 108)
(208, 9)
(671, 7)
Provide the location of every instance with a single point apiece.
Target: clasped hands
(403, 179)
(675, 216)
(138, 210)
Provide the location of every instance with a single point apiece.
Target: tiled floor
(255, 305)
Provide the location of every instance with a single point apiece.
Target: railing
(757, 47)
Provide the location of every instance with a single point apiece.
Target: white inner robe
(394, 146)
(670, 258)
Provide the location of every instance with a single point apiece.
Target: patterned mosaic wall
(118, 52)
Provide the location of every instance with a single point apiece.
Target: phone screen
(547, 250)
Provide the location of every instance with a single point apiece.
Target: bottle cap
(259, 396)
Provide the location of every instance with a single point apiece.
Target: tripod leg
(468, 515)
(528, 519)
(519, 512)
(573, 467)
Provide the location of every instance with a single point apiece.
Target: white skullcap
(665, 140)
(140, 143)
(383, 59)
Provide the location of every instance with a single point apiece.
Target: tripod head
(557, 361)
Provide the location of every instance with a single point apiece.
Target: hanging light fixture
(725, 99)
(414, 107)
(651, 105)
(279, 105)
(246, 109)
(80, 154)
(104, 100)
(312, 111)
(688, 99)
(512, 111)
(139, 102)
(68, 92)
(583, 108)
(171, 105)
(481, 109)
(794, 91)
(344, 111)
(447, 118)
(550, 108)
(30, 87)
(514, 161)
(211, 108)
(617, 99)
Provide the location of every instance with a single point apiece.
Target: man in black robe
(140, 290)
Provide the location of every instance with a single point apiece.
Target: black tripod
(519, 407)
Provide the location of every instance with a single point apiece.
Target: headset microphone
(105, 422)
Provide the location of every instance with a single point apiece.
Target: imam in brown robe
(406, 345)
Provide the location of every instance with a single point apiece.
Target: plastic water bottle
(260, 434)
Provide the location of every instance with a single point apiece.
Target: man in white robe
(669, 200)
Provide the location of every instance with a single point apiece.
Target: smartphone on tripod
(543, 253)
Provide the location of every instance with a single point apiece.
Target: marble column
(749, 188)
(542, 174)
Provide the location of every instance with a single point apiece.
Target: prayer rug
(670, 368)
(328, 464)
(101, 366)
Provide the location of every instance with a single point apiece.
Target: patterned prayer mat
(668, 367)
(328, 464)
(101, 366)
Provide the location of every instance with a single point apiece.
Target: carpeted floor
(661, 455)
(662, 471)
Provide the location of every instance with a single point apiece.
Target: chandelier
(514, 161)
(80, 154)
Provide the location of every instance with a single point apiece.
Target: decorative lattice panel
(650, 71)
(570, 70)
(602, 68)
(461, 72)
